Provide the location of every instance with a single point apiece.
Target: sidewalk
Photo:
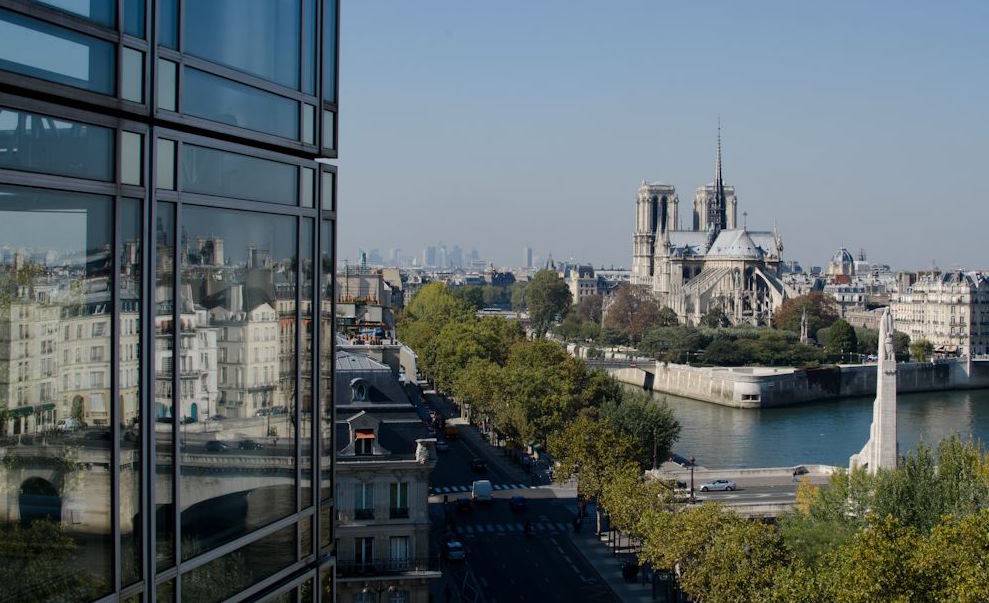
(597, 553)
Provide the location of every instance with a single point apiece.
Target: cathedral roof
(735, 244)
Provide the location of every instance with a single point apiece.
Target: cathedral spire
(720, 209)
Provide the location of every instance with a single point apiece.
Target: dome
(842, 257)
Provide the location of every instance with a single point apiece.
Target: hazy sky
(518, 122)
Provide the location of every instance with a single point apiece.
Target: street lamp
(692, 460)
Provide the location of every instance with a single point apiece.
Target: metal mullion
(317, 402)
(176, 387)
(245, 205)
(268, 582)
(115, 389)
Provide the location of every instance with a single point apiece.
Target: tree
(921, 350)
(840, 338)
(518, 295)
(715, 318)
(822, 311)
(632, 311)
(651, 425)
(667, 317)
(547, 299)
(673, 343)
(589, 309)
(470, 294)
(592, 451)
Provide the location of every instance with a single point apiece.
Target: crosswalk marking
(453, 489)
(509, 528)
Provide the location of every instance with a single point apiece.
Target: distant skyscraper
(456, 257)
(527, 257)
(429, 256)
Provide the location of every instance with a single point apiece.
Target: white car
(725, 485)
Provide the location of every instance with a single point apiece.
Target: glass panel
(238, 295)
(330, 51)
(305, 537)
(134, 17)
(39, 143)
(327, 449)
(55, 338)
(329, 127)
(129, 378)
(165, 592)
(230, 574)
(215, 172)
(130, 158)
(226, 101)
(309, 52)
(215, 31)
(132, 75)
(308, 124)
(168, 23)
(306, 196)
(326, 582)
(165, 164)
(100, 11)
(164, 344)
(307, 246)
(327, 191)
(42, 50)
(167, 74)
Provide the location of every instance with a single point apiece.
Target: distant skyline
(501, 125)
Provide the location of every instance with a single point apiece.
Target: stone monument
(880, 451)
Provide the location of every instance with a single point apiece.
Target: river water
(819, 432)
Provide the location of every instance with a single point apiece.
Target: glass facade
(165, 386)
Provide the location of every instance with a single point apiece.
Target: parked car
(517, 504)
(480, 491)
(800, 470)
(217, 446)
(442, 446)
(68, 425)
(453, 550)
(451, 433)
(250, 445)
(478, 466)
(725, 485)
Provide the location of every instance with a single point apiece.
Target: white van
(480, 491)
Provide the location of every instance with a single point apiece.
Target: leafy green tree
(650, 425)
(667, 317)
(518, 295)
(715, 318)
(673, 343)
(952, 560)
(458, 343)
(921, 350)
(822, 311)
(40, 562)
(589, 309)
(591, 450)
(547, 299)
(840, 338)
(470, 294)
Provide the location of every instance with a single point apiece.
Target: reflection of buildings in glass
(55, 340)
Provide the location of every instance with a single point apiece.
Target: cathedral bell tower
(656, 213)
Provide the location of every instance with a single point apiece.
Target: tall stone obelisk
(880, 451)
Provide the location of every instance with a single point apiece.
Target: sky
(503, 124)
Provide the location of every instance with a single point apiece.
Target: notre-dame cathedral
(715, 264)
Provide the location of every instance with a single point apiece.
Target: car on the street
(719, 485)
(517, 504)
(478, 466)
(480, 491)
(451, 433)
(800, 470)
(453, 550)
(463, 504)
(250, 445)
(442, 446)
(217, 446)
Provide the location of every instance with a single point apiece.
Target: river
(818, 432)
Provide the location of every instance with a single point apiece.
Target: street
(502, 562)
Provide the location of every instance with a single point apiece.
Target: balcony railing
(363, 513)
(398, 513)
(386, 567)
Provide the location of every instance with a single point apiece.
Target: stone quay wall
(758, 387)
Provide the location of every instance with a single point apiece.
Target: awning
(364, 434)
(21, 411)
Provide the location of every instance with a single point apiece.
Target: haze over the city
(498, 125)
